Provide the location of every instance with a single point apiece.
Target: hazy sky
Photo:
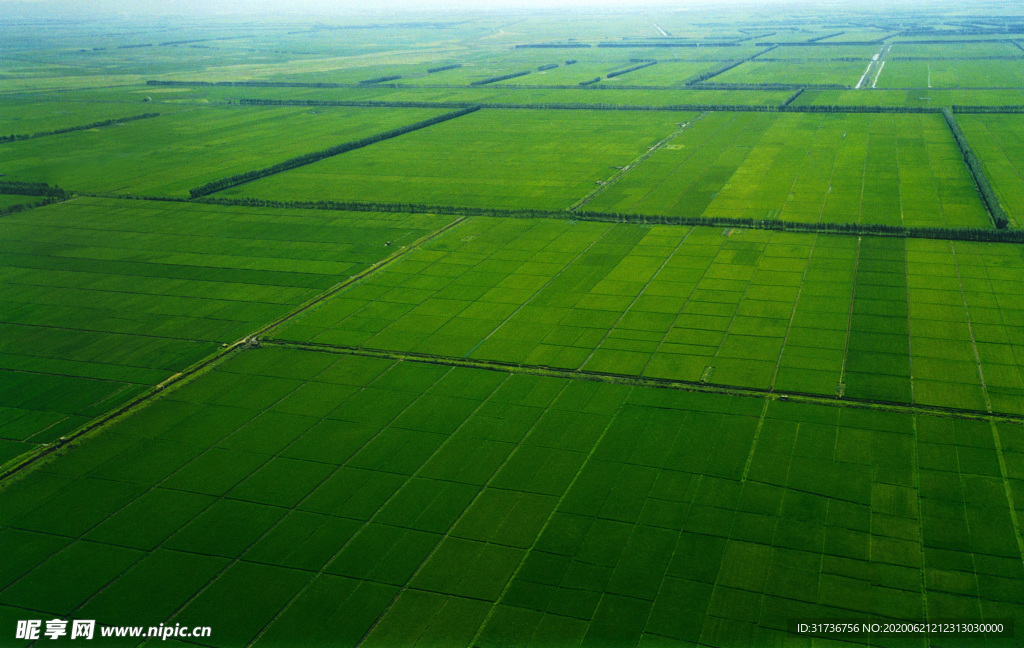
(347, 6)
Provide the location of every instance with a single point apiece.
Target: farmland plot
(170, 154)
(996, 73)
(505, 159)
(366, 500)
(100, 299)
(884, 169)
(798, 71)
(880, 319)
(993, 139)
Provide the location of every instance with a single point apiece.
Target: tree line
(443, 68)
(783, 107)
(850, 229)
(31, 189)
(634, 68)
(988, 196)
(59, 131)
(309, 158)
(381, 79)
(502, 77)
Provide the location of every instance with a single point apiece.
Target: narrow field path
(629, 167)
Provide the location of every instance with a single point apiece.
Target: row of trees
(549, 66)
(14, 209)
(995, 210)
(442, 68)
(309, 158)
(633, 68)
(99, 124)
(382, 79)
(31, 189)
(785, 106)
(817, 44)
(851, 229)
(791, 98)
(503, 77)
(552, 45)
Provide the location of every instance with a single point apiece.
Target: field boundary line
(1006, 488)
(977, 170)
(71, 129)
(607, 184)
(647, 381)
(685, 107)
(22, 462)
(315, 156)
(984, 235)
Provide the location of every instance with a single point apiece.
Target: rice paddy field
(168, 155)
(103, 299)
(993, 136)
(943, 73)
(809, 72)
(507, 158)
(492, 330)
(884, 169)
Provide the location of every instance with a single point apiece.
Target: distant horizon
(135, 8)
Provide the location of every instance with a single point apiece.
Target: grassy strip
(503, 77)
(60, 131)
(988, 196)
(849, 229)
(309, 158)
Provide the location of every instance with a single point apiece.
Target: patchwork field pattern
(102, 299)
(877, 319)
(538, 411)
(169, 155)
(350, 499)
(843, 168)
(507, 158)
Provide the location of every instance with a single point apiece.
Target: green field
(920, 322)
(916, 98)
(507, 158)
(952, 74)
(992, 138)
(644, 361)
(102, 299)
(169, 155)
(886, 169)
(810, 72)
(397, 499)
